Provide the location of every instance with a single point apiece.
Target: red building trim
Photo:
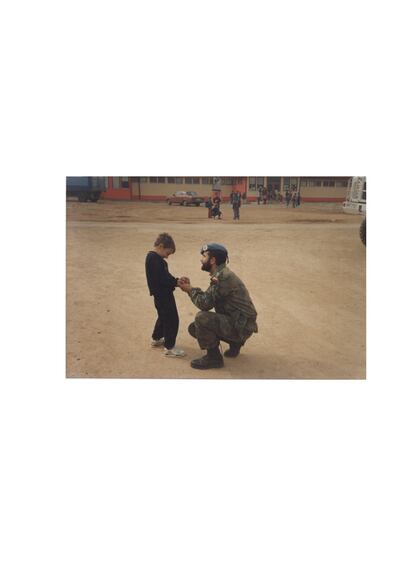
(117, 193)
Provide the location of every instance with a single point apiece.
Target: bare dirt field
(304, 269)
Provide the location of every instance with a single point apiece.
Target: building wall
(148, 191)
(312, 189)
(323, 189)
(119, 188)
(162, 191)
(318, 194)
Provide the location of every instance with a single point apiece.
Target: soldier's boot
(234, 349)
(212, 359)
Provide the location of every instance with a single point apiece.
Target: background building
(158, 188)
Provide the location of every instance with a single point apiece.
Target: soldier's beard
(206, 266)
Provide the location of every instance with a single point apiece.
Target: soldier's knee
(202, 318)
(192, 330)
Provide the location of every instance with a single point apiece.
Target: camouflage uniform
(234, 319)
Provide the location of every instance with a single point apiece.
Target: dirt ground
(304, 269)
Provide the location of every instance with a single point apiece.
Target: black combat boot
(212, 359)
(234, 349)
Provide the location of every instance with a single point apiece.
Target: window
(144, 179)
(260, 181)
(170, 180)
(328, 182)
(191, 180)
(116, 182)
(207, 180)
(124, 182)
(156, 180)
(179, 180)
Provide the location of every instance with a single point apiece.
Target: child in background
(161, 285)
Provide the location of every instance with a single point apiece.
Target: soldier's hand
(184, 284)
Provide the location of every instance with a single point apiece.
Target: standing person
(161, 285)
(236, 201)
(209, 205)
(234, 319)
(270, 193)
(288, 196)
(294, 200)
(260, 195)
(215, 212)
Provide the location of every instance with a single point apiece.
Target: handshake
(184, 284)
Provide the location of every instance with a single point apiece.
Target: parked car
(185, 198)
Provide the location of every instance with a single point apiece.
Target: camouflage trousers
(210, 328)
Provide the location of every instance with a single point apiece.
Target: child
(161, 285)
(215, 212)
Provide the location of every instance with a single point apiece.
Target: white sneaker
(174, 351)
(155, 343)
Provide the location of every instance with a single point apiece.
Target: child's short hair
(166, 241)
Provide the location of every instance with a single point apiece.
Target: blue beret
(214, 247)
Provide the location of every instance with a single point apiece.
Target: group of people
(292, 195)
(233, 320)
(213, 205)
(264, 195)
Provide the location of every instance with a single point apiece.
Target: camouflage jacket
(228, 295)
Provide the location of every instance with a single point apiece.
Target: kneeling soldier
(234, 319)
